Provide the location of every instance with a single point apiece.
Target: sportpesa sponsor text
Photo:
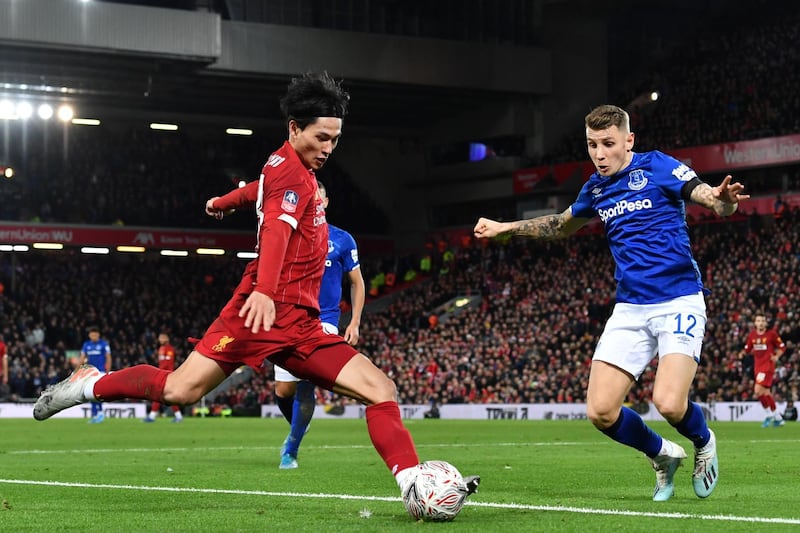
(624, 206)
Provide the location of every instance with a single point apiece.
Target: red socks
(767, 401)
(141, 382)
(390, 437)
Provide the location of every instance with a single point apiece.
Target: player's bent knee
(602, 414)
(672, 409)
(182, 396)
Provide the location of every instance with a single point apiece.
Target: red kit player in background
(766, 347)
(166, 361)
(274, 312)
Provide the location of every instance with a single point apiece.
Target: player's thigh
(285, 382)
(627, 343)
(195, 377)
(608, 387)
(362, 380)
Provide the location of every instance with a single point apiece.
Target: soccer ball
(436, 493)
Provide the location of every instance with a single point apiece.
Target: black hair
(92, 329)
(314, 95)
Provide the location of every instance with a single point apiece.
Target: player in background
(166, 361)
(274, 311)
(4, 358)
(96, 352)
(766, 347)
(299, 394)
(660, 306)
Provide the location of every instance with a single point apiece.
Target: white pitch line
(319, 447)
(523, 507)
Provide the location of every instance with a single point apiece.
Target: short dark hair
(314, 95)
(93, 329)
(604, 116)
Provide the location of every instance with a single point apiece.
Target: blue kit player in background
(296, 398)
(660, 306)
(96, 352)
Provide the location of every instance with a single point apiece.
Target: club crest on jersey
(637, 180)
(597, 191)
(289, 203)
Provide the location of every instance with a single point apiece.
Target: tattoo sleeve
(703, 195)
(545, 227)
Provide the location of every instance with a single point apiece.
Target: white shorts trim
(636, 333)
(283, 375)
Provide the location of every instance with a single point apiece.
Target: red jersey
(287, 195)
(166, 357)
(763, 346)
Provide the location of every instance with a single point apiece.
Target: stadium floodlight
(24, 110)
(131, 249)
(8, 172)
(241, 184)
(654, 96)
(65, 113)
(94, 250)
(7, 110)
(86, 121)
(210, 251)
(174, 253)
(246, 255)
(45, 111)
(48, 246)
(163, 126)
(20, 248)
(239, 131)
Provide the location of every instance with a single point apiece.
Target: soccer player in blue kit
(96, 352)
(660, 307)
(342, 260)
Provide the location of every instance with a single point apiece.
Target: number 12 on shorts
(688, 320)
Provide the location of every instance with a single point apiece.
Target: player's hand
(258, 312)
(351, 335)
(728, 192)
(214, 212)
(487, 228)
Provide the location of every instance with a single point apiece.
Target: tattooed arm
(544, 227)
(722, 199)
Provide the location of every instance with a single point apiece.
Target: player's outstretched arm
(545, 227)
(723, 199)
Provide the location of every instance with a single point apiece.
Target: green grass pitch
(219, 475)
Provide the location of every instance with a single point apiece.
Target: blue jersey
(645, 221)
(96, 353)
(342, 258)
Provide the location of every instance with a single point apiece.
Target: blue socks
(286, 406)
(693, 426)
(303, 410)
(630, 430)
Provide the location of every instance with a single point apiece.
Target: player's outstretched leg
(706, 468)
(65, 394)
(666, 464)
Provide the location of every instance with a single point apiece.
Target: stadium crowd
(529, 340)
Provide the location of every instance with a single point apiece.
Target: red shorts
(296, 342)
(764, 374)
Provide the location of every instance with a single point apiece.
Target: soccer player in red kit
(166, 361)
(274, 312)
(766, 347)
